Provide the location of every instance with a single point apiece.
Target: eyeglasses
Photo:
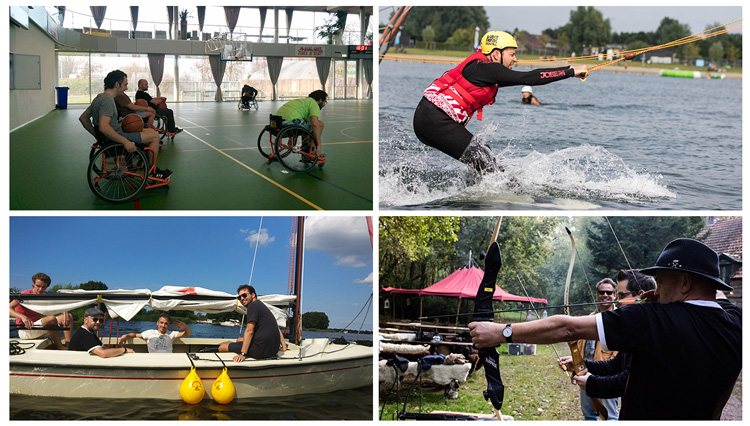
(244, 295)
(95, 319)
(624, 295)
(607, 292)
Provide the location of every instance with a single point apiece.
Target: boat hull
(323, 367)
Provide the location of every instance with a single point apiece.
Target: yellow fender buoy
(223, 388)
(192, 389)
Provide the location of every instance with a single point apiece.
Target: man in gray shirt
(102, 113)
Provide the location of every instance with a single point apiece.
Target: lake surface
(350, 404)
(615, 141)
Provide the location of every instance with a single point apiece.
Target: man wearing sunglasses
(85, 338)
(262, 334)
(608, 379)
(592, 351)
(686, 347)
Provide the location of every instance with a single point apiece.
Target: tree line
(415, 252)
(586, 26)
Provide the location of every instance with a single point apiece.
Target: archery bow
(579, 365)
(483, 312)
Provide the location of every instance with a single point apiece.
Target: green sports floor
(215, 161)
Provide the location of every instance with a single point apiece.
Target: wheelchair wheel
(295, 146)
(160, 123)
(254, 104)
(116, 175)
(265, 143)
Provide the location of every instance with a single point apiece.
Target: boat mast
(295, 332)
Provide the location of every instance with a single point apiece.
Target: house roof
(724, 236)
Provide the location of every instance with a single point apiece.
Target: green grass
(535, 389)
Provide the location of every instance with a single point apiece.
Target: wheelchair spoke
(116, 175)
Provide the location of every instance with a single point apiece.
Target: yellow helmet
(497, 40)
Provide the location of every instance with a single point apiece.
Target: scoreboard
(360, 51)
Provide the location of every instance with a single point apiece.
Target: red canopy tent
(465, 283)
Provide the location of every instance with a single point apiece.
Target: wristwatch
(243, 354)
(508, 333)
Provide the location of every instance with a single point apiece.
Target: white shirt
(159, 343)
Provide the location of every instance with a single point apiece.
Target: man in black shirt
(248, 95)
(608, 379)
(85, 338)
(262, 338)
(450, 101)
(686, 349)
(159, 104)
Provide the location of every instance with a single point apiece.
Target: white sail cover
(126, 303)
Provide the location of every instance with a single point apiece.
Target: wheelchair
(253, 104)
(160, 125)
(292, 145)
(116, 175)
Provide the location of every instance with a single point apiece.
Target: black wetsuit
(436, 129)
(528, 100)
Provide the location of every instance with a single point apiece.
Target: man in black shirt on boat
(261, 339)
(450, 101)
(686, 348)
(85, 338)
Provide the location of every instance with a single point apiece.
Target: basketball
(141, 102)
(132, 123)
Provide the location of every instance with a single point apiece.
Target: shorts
(26, 334)
(298, 122)
(133, 137)
(236, 347)
(435, 128)
(141, 114)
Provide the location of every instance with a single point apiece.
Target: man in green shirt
(305, 112)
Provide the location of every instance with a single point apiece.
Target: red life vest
(457, 97)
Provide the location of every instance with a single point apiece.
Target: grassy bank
(632, 64)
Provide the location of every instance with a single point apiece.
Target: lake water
(615, 141)
(351, 404)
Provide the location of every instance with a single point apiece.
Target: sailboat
(308, 366)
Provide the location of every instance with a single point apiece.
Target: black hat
(692, 256)
(90, 312)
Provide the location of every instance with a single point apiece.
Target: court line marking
(287, 190)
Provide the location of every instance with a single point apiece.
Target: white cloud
(261, 238)
(366, 280)
(344, 237)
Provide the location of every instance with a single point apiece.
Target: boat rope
(628, 54)
(18, 348)
(366, 309)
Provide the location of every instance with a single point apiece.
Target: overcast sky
(536, 19)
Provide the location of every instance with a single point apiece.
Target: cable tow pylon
(391, 30)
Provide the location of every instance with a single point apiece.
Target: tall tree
(671, 30)
(642, 240)
(587, 27)
(445, 20)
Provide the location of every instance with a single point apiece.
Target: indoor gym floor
(215, 161)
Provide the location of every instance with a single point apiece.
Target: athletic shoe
(161, 174)
(178, 130)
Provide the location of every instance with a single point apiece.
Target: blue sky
(212, 252)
